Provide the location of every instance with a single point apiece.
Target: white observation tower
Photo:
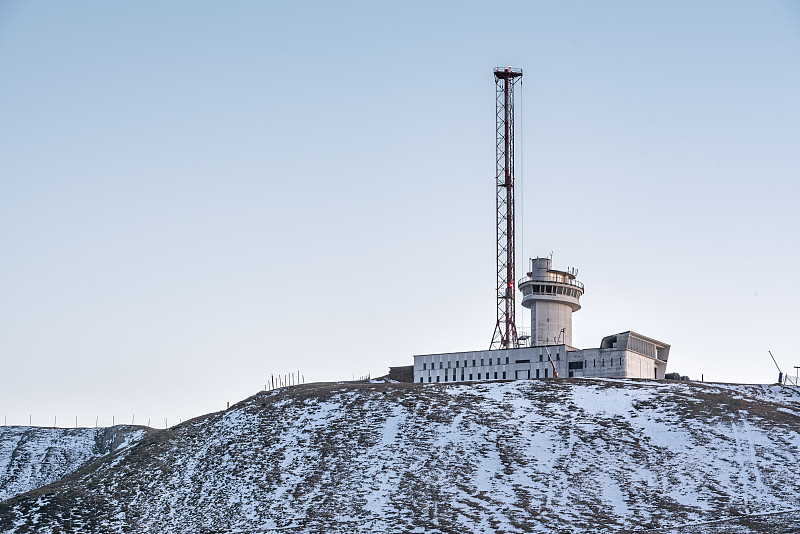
(552, 296)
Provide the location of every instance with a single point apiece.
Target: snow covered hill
(583, 455)
(31, 457)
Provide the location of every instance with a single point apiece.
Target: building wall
(532, 362)
(640, 366)
(617, 363)
(489, 364)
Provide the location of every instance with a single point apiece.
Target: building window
(456, 363)
(541, 357)
(429, 379)
(423, 365)
(470, 376)
(594, 362)
(465, 363)
(448, 364)
(437, 378)
(473, 363)
(490, 361)
(506, 360)
(504, 375)
(481, 362)
(420, 379)
(462, 376)
(655, 372)
(495, 375)
(558, 356)
(545, 373)
(479, 376)
(440, 365)
(537, 374)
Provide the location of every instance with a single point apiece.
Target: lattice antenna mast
(505, 332)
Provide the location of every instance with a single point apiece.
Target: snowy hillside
(528, 456)
(31, 457)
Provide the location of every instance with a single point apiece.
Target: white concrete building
(552, 297)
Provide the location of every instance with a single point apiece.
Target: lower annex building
(552, 297)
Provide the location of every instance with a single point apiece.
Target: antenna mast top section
(507, 72)
(505, 331)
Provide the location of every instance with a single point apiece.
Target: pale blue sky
(195, 195)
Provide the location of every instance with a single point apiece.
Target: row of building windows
(572, 365)
(482, 360)
(556, 290)
(497, 375)
(487, 376)
(558, 357)
(603, 362)
(441, 364)
(484, 376)
(481, 376)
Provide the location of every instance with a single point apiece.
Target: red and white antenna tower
(505, 332)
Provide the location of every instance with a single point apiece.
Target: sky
(195, 196)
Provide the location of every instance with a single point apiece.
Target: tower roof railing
(548, 278)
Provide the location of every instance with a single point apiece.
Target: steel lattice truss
(505, 331)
